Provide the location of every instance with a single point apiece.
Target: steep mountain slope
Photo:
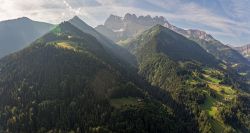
(244, 50)
(67, 81)
(212, 46)
(192, 76)
(108, 44)
(18, 33)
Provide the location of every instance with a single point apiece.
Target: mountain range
(121, 29)
(160, 78)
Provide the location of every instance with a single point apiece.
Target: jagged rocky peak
(244, 50)
(160, 19)
(148, 20)
(130, 17)
(114, 18)
(114, 22)
(191, 33)
(131, 25)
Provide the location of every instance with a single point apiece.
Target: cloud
(84, 3)
(53, 11)
(237, 10)
(225, 19)
(71, 9)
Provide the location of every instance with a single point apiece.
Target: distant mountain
(221, 51)
(68, 81)
(18, 33)
(244, 50)
(117, 28)
(122, 29)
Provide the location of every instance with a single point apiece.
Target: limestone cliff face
(244, 50)
(121, 28)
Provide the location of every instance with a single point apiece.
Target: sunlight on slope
(65, 45)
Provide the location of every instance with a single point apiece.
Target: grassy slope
(223, 94)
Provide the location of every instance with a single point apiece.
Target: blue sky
(227, 20)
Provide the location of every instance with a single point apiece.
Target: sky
(226, 20)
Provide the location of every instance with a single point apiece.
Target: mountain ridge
(133, 28)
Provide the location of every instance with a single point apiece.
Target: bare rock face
(191, 33)
(114, 22)
(244, 50)
(130, 17)
(128, 26)
(200, 34)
